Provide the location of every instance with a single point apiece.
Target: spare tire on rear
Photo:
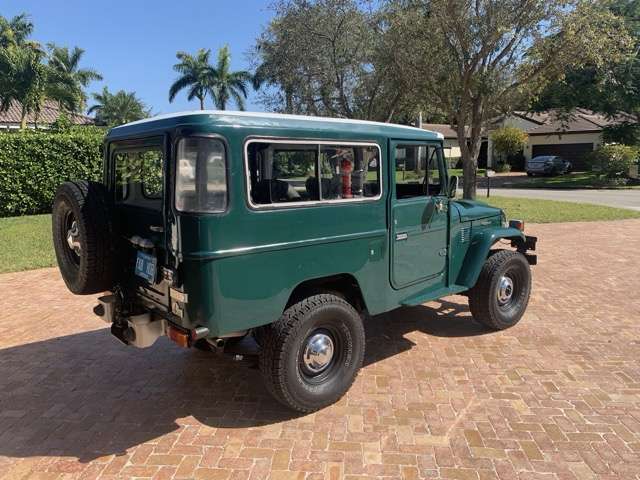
(83, 237)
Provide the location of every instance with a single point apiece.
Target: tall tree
(114, 109)
(23, 76)
(475, 59)
(609, 87)
(229, 84)
(325, 57)
(196, 74)
(67, 80)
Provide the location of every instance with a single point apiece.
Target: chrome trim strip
(211, 255)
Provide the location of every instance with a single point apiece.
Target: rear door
(418, 213)
(139, 173)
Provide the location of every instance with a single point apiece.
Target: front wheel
(501, 294)
(312, 354)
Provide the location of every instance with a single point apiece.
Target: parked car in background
(548, 165)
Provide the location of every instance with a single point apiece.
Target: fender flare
(478, 252)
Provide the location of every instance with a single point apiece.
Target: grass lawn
(572, 180)
(458, 172)
(551, 211)
(26, 243)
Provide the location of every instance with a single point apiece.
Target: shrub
(508, 141)
(502, 167)
(614, 161)
(34, 163)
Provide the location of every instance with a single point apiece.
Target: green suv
(274, 237)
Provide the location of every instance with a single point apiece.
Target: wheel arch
(480, 250)
(343, 285)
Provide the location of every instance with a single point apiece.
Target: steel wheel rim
(71, 234)
(319, 355)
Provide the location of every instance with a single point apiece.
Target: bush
(502, 167)
(614, 161)
(34, 163)
(508, 141)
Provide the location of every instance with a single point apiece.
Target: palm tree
(228, 84)
(15, 31)
(23, 77)
(117, 108)
(67, 80)
(196, 74)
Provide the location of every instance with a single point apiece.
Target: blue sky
(133, 43)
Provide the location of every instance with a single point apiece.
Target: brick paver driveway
(556, 397)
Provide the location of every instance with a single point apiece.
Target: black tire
(80, 209)
(484, 302)
(286, 374)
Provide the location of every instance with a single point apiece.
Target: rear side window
(139, 176)
(201, 175)
(282, 173)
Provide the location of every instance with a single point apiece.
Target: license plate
(146, 266)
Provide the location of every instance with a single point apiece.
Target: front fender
(478, 252)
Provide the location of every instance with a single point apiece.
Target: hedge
(34, 163)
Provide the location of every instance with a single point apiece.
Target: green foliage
(34, 163)
(113, 109)
(508, 140)
(626, 133)
(614, 161)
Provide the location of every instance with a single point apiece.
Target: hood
(474, 210)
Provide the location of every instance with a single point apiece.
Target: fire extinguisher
(346, 167)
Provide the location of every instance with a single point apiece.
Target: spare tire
(83, 237)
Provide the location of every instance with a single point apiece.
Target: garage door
(576, 153)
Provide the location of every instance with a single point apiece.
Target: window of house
(281, 173)
(418, 170)
(139, 176)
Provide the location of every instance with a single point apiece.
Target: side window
(281, 173)
(418, 170)
(349, 172)
(139, 177)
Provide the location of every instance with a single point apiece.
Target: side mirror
(453, 186)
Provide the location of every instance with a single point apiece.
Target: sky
(133, 43)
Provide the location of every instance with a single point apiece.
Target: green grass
(458, 173)
(25, 243)
(551, 211)
(572, 180)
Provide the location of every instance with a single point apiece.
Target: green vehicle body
(240, 269)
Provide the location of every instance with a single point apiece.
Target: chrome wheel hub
(318, 352)
(505, 290)
(73, 238)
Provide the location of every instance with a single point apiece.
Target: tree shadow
(85, 395)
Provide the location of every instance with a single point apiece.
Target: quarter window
(201, 175)
(281, 173)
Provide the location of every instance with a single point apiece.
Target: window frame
(174, 176)
(442, 169)
(133, 148)
(308, 203)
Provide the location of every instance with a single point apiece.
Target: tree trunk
(23, 118)
(201, 102)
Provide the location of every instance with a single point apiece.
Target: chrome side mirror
(453, 186)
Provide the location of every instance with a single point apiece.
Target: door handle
(156, 228)
(401, 236)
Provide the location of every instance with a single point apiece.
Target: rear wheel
(501, 294)
(82, 237)
(312, 354)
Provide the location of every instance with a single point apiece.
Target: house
(10, 119)
(572, 136)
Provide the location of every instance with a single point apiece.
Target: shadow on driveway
(86, 395)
